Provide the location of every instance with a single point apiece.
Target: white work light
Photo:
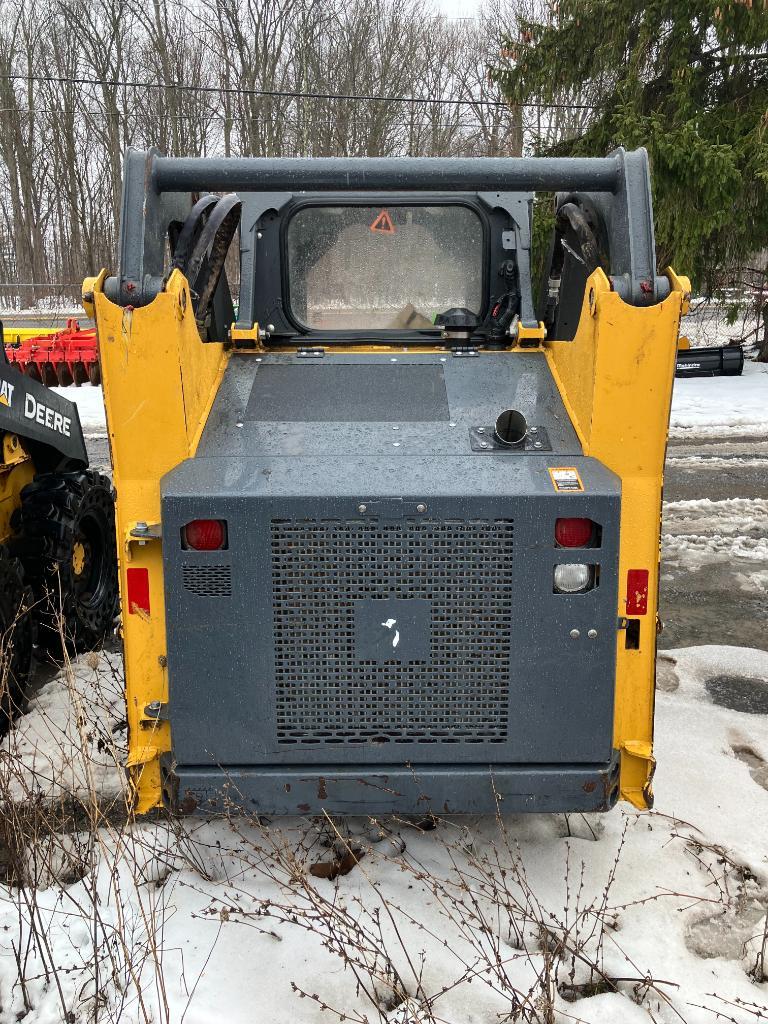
(571, 578)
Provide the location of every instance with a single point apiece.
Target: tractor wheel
(66, 542)
(17, 635)
(94, 374)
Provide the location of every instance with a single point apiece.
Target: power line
(288, 94)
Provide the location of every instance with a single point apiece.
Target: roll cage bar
(162, 202)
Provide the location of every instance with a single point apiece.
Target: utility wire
(287, 94)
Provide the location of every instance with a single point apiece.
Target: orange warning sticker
(383, 224)
(566, 478)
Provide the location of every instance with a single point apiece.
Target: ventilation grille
(324, 694)
(207, 580)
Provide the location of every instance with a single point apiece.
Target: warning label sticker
(566, 478)
(383, 224)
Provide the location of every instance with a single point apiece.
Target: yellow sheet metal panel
(18, 335)
(160, 381)
(616, 378)
(16, 471)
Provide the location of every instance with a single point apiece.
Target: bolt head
(421, 508)
(362, 508)
(575, 634)
(483, 444)
(592, 634)
(481, 430)
(537, 444)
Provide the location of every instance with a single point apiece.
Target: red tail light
(205, 535)
(573, 533)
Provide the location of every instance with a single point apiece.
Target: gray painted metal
(381, 174)
(439, 790)
(330, 523)
(478, 390)
(349, 392)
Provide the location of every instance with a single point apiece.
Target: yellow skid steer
(389, 533)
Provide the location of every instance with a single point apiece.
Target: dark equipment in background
(723, 361)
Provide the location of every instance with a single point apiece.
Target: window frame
(383, 335)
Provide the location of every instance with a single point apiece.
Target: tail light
(204, 535)
(574, 533)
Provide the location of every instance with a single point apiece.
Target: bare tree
(79, 82)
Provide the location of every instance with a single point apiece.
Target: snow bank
(476, 921)
(719, 406)
(730, 527)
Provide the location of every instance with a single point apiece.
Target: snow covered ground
(624, 917)
(722, 406)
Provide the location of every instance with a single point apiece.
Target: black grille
(207, 580)
(325, 694)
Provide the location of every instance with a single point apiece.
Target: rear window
(377, 268)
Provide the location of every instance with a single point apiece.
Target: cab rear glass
(382, 267)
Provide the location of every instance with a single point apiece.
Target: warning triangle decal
(383, 224)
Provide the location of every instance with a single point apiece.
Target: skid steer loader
(58, 560)
(389, 537)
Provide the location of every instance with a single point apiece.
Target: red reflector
(573, 533)
(205, 534)
(138, 591)
(637, 592)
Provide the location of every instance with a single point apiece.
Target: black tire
(66, 542)
(17, 636)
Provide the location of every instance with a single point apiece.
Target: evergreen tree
(688, 80)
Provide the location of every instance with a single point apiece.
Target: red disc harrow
(70, 356)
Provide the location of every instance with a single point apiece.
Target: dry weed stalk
(68, 854)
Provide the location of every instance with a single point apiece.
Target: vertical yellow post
(160, 381)
(616, 379)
